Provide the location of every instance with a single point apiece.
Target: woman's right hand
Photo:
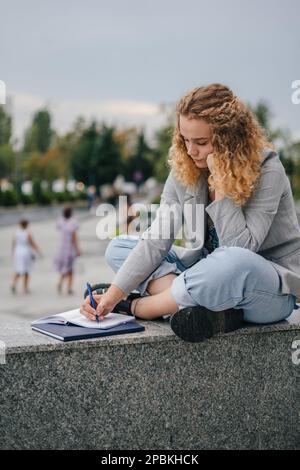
(105, 303)
(104, 306)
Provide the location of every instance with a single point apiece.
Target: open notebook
(74, 317)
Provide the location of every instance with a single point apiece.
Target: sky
(119, 60)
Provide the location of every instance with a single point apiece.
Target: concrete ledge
(150, 390)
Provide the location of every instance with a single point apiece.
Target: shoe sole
(196, 324)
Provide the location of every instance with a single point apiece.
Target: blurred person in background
(68, 249)
(23, 250)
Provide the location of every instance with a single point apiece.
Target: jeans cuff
(180, 294)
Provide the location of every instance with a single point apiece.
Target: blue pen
(92, 300)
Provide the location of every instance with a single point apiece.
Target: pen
(92, 300)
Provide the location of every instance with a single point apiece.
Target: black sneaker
(195, 324)
(124, 306)
(97, 289)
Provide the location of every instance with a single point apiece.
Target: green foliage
(5, 126)
(81, 195)
(142, 160)
(95, 155)
(26, 199)
(179, 242)
(7, 156)
(41, 196)
(64, 196)
(156, 200)
(9, 198)
(106, 161)
(7, 160)
(38, 136)
(290, 158)
(163, 144)
(96, 160)
(81, 156)
(263, 113)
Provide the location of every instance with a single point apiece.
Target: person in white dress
(23, 249)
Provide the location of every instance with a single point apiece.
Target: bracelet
(133, 309)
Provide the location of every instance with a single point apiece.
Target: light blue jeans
(229, 277)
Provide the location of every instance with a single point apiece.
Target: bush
(81, 195)
(60, 197)
(37, 191)
(40, 196)
(26, 199)
(64, 196)
(46, 198)
(10, 198)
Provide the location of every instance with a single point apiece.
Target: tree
(141, 161)
(39, 135)
(106, 158)
(289, 152)
(53, 165)
(290, 157)
(81, 156)
(97, 158)
(163, 144)
(7, 155)
(5, 127)
(7, 160)
(264, 115)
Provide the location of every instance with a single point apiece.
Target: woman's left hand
(210, 163)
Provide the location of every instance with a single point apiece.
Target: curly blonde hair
(237, 140)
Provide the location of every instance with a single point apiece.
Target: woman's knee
(227, 269)
(118, 250)
(225, 263)
(235, 268)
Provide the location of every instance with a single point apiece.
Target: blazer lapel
(198, 194)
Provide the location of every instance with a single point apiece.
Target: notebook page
(76, 318)
(59, 318)
(109, 321)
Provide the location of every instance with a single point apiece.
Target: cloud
(114, 112)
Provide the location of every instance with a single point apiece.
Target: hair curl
(237, 140)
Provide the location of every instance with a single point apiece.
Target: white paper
(76, 318)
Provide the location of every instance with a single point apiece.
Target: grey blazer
(267, 224)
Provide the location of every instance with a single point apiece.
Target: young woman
(23, 248)
(248, 265)
(68, 249)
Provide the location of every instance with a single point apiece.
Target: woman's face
(196, 134)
